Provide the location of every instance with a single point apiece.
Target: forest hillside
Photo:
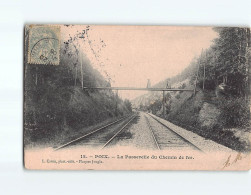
(220, 108)
(55, 103)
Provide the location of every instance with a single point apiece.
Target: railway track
(165, 138)
(102, 136)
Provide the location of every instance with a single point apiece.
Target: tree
(128, 105)
(226, 61)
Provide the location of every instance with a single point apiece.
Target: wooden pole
(195, 85)
(82, 78)
(204, 78)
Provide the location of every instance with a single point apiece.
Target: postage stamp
(44, 44)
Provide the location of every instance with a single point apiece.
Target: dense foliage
(55, 101)
(223, 83)
(227, 61)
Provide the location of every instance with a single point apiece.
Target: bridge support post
(116, 107)
(164, 106)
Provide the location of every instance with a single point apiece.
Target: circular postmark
(45, 51)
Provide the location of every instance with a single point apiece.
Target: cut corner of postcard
(102, 97)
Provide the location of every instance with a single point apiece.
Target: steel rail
(176, 133)
(92, 132)
(133, 117)
(154, 137)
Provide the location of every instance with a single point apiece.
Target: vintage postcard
(113, 97)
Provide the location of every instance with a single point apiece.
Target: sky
(132, 54)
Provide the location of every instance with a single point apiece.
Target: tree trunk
(36, 76)
(204, 75)
(248, 67)
(76, 72)
(64, 121)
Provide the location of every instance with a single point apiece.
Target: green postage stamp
(44, 44)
